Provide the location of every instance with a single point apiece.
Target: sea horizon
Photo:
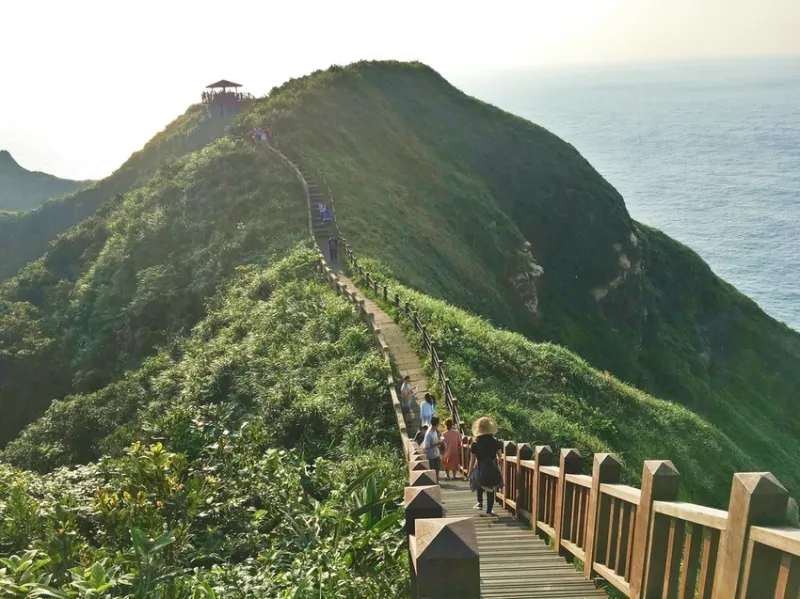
(707, 151)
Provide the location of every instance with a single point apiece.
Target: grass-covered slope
(263, 462)
(26, 236)
(543, 393)
(138, 273)
(21, 189)
(446, 191)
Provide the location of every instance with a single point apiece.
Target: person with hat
(486, 449)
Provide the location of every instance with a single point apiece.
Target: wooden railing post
(659, 483)
(744, 570)
(509, 451)
(605, 470)
(444, 558)
(569, 463)
(422, 502)
(542, 456)
(385, 293)
(524, 452)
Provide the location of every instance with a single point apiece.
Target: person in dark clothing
(420, 436)
(485, 451)
(333, 248)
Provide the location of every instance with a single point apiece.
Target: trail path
(515, 563)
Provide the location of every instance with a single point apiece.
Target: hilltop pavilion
(225, 96)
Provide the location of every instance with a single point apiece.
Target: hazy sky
(87, 82)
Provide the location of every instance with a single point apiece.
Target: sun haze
(88, 82)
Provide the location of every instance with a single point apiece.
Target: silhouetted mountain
(21, 189)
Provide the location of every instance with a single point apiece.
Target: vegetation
(170, 331)
(27, 236)
(541, 393)
(204, 500)
(21, 189)
(445, 191)
(138, 273)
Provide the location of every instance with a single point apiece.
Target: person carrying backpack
(484, 472)
(333, 248)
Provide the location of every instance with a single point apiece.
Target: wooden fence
(381, 290)
(643, 541)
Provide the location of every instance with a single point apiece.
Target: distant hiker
(427, 408)
(267, 134)
(333, 248)
(452, 449)
(432, 445)
(407, 395)
(484, 473)
(420, 436)
(327, 215)
(257, 133)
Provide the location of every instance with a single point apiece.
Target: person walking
(333, 248)
(257, 133)
(431, 445)
(452, 449)
(484, 472)
(426, 409)
(407, 395)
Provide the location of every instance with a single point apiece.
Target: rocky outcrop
(524, 282)
(625, 267)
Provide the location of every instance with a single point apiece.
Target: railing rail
(643, 541)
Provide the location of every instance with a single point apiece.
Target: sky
(88, 82)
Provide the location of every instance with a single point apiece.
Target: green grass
(540, 393)
(445, 191)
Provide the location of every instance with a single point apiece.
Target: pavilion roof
(222, 83)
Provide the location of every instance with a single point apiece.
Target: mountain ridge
(455, 199)
(22, 189)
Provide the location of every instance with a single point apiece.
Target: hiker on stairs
(432, 446)
(333, 248)
(408, 395)
(426, 409)
(484, 473)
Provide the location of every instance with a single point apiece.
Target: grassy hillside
(21, 189)
(26, 236)
(498, 216)
(545, 394)
(275, 462)
(138, 273)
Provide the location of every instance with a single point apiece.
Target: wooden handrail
(644, 542)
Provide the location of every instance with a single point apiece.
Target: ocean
(708, 152)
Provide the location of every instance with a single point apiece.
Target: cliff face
(21, 189)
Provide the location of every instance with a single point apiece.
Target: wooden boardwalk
(515, 563)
